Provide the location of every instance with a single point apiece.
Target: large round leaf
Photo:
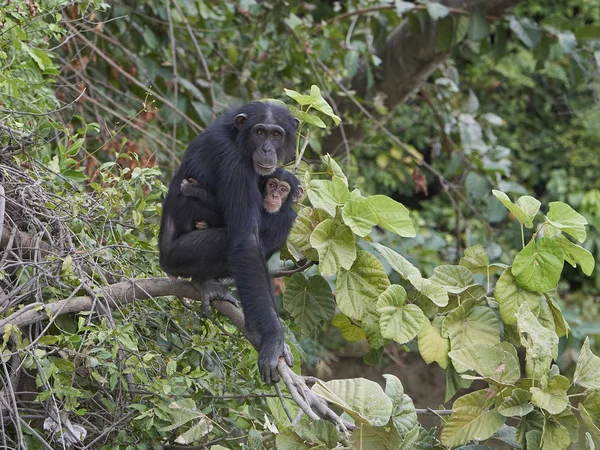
(309, 301)
(336, 246)
(399, 321)
(392, 216)
(538, 266)
(510, 297)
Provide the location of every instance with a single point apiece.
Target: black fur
(274, 228)
(221, 161)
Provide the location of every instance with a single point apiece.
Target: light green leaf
(560, 324)
(336, 246)
(574, 254)
(392, 216)
(334, 169)
(404, 415)
(552, 395)
(432, 346)
(399, 321)
(540, 343)
(538, 266)
(362, 399)
(510, 297)
(361, 284)
(454, 279)
(475, 259)
(555, 436)
(350, 331)
(434, 292)
(437, 10)
(398, 262)
(320, 104)
(40, 57)
(473, 417)
(359, 216)
(525, 209)
(309, 301)
(301, 99)
(590, 413)
(469, 324)
(327, 195)
(403, 7)
(298, 242)
(566, 219)
(495, 362)
(587, 371)
(517, 404)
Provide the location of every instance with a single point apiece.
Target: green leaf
(301, 99)
(574, 254)
(588, 33)
(40, 57)
(362, 283)
(434, 292)
(454, 279)
(590, 413)
(473, 417)
(437, 10)
(403, 7)
(432, 346)
(475, 259)
(298, 242)
(529, 35)
(469, 324)
(495, 362)
(399, 321)
(540, 343)
(398, 262)
(531, 423)
(350, 331)
(525, 209)
(538, 266)
(552, 395)
(404, 415)
(510, 297)
(309, 301)
(359, 216)
(587, 371)
(327, 195)
(566, 219)
(363, 400)
(479, 28)
(555, 436)
(392, 216)
(334, 169)
(336, 246)
(517, 404)
(320, 104)
(560, 324)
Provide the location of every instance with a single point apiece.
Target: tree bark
(408, 59)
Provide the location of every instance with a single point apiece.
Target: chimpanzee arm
(242, 203)
(274, 229)
(194, 190)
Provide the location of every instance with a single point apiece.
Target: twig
(27, 113)
(2, 208)
(301, 154)
(175, 81)
(283, 403)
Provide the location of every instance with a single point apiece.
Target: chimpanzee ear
(296, 198)
(239, 120)
(296, 122)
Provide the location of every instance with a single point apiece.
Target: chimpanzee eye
(276, 133)
(259, 131)
(272, 185)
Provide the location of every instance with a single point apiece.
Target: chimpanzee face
(266, 138)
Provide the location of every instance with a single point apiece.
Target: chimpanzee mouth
(264, 169)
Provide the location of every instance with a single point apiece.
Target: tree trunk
(408, 59)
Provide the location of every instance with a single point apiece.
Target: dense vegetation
(452, 213)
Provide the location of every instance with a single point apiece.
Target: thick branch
(408, 59)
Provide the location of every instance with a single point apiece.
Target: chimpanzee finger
(274, 375)
(287, 355)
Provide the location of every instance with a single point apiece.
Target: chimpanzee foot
(211, 290)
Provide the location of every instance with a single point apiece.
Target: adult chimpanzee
(281, 190)
(227, 160)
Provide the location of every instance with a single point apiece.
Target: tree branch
(124, 292)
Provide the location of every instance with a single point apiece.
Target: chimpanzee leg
(200, 255)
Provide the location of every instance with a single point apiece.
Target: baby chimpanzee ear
(300, 192)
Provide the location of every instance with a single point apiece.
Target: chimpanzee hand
(268, 358)
(189, 187)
